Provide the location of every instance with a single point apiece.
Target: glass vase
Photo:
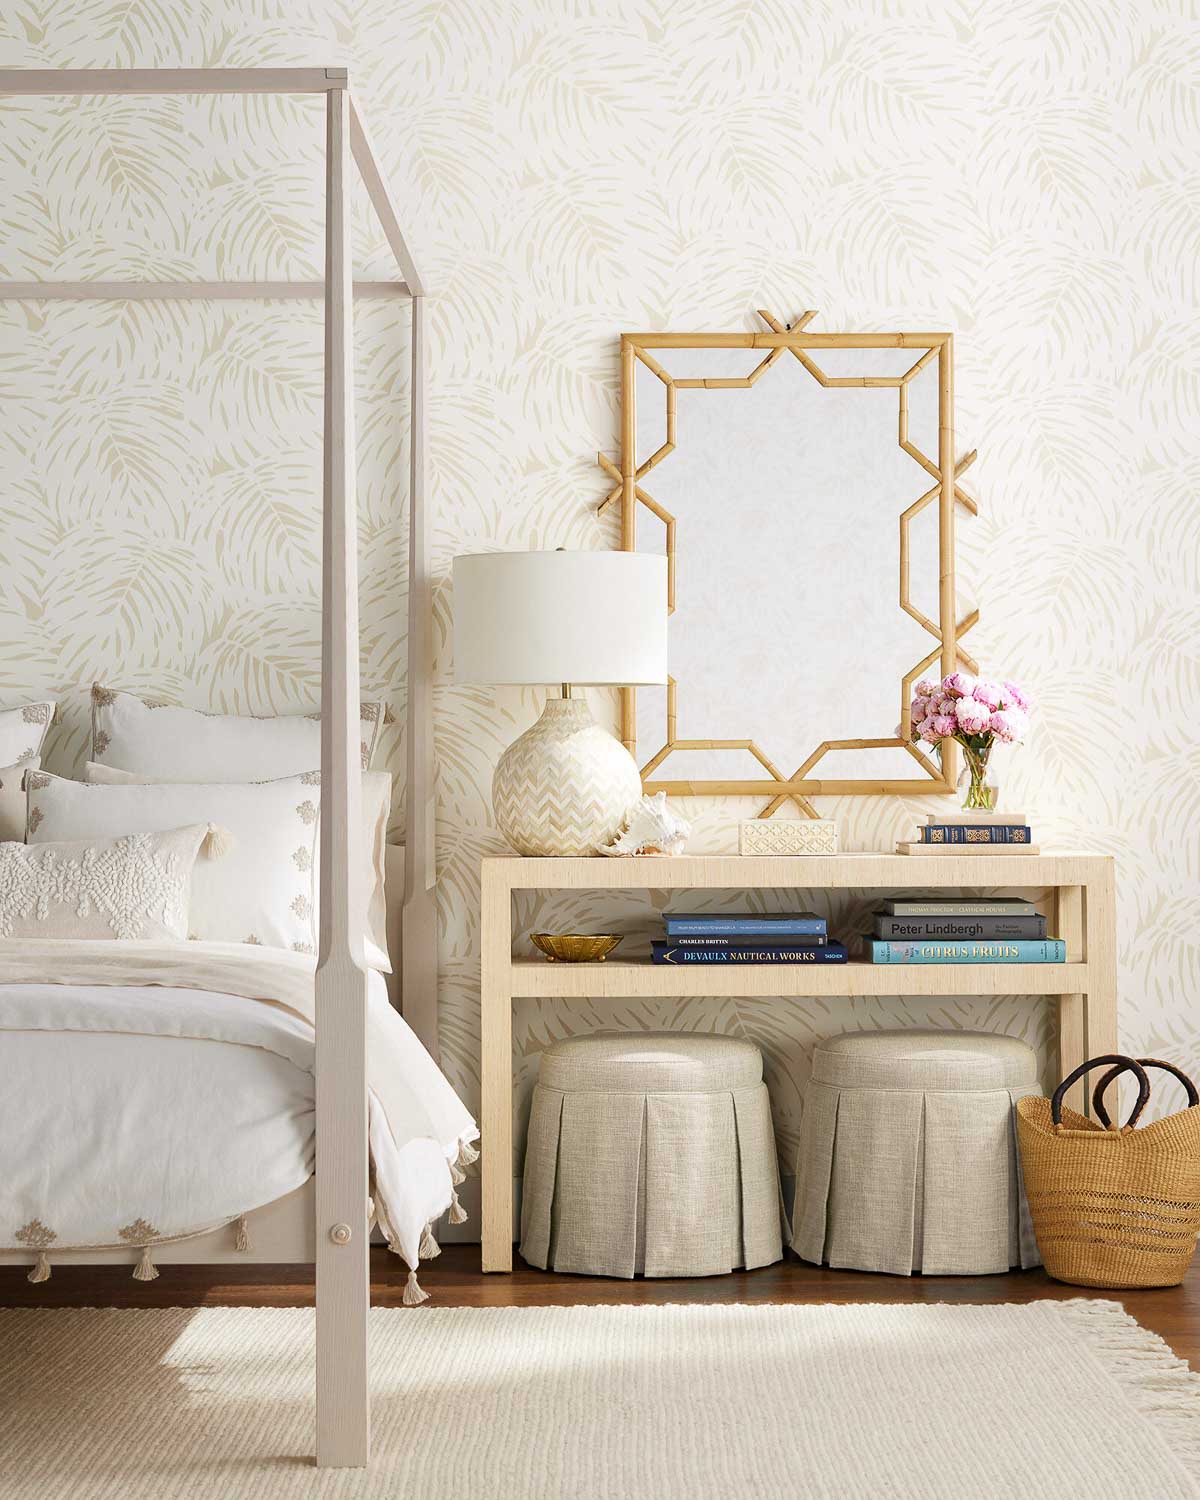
(977, 782)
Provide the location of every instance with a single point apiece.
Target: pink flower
(1008, 725)
(944, 725)
(959, 685)
(973, 717)
(927, 732)
(919, 708)
(989, 693)
(1015, 697)
(925, 688)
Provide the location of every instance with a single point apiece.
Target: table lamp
(582, 619)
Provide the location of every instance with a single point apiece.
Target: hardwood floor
(455, 1280)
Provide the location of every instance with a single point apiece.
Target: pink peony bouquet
(977, 714)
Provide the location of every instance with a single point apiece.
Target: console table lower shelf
(1077, 892)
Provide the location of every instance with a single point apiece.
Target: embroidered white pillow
(12, 800)
(134, 887)
(159, 739)
(22, 731)
(260, 891)
(376, 806)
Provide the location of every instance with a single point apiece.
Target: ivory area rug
(1065, 1399)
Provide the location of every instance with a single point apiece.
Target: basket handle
(1098, 1109)
(1123, 1064)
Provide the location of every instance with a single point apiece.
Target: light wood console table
(1080, 905)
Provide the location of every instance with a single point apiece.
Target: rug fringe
(1162, 1387)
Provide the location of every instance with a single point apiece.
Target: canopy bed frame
(340, 1227)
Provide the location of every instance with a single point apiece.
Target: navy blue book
(787, 925)
(801, 941)
(774, 953)
(976, 833)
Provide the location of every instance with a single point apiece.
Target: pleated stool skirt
(651, 1153)
(908, 1154)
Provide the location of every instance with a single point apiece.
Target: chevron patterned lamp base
(566, 786)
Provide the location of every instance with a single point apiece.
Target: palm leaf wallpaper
(1022, 174)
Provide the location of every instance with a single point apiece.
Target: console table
(1079, 902)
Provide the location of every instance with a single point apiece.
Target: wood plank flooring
(455, 1280)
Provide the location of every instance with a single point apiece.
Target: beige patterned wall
(1023, 173)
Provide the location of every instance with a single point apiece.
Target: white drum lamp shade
(589, 618)
(583, 618)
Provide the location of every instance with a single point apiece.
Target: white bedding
(173, 1083)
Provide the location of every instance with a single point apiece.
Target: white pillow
(376, 808)
(185, 744)
(12, 800)
(259, 892)
(22, 731)
(135, 887)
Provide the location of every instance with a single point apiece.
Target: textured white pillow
(136, 886)
(259, 892)
(159, 739)
(12, 800)
(376, 806)
(22, 731)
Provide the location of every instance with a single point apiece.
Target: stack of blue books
(791, 938)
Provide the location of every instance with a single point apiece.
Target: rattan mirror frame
(629, 492)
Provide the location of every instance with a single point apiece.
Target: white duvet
(173, 1083)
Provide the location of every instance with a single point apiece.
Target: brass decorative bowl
(576, 947)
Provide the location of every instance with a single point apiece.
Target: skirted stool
(650, 1153)
(908, 1154)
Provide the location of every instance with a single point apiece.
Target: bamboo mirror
(803, 487)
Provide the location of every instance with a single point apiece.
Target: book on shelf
(787, 924)
(967, 849)
(941, 951)
(774, 953)
(1003, 819)
(976, 833)
(958, 927)
(803, 940)
(958, 906)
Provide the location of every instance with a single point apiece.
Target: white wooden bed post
(343, 1238)
(419, 961)
(342, 1231)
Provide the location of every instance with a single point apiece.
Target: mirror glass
(787, 498)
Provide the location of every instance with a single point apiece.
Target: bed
(316, 1046)
(159, 1101)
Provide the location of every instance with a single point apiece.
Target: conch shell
(651, 828)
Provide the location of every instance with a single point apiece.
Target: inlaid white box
(788, 836)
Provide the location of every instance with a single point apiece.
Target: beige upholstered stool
(650, 1152)
(908, 1155)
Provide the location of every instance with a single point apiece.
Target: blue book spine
(976, 833)
(799, 940)
(780, 927)
(675, 953)
(974, 951)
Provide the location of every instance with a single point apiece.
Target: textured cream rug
(1071, 1400)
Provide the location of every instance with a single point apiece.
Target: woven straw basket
(1112, 1206)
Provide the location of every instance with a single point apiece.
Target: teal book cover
(967, 951)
